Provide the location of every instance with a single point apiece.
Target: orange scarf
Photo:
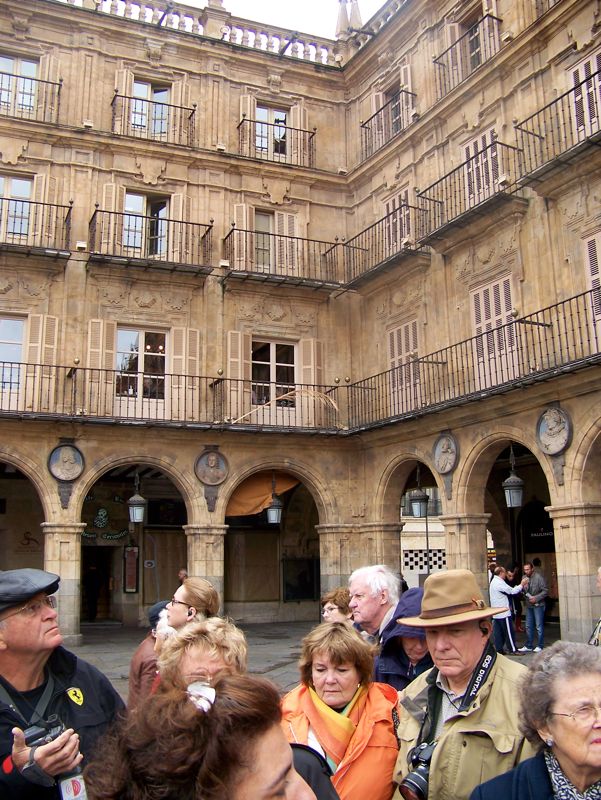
(334, 729)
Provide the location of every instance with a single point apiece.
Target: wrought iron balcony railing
(29, 98)
(558, 339)
(290, 257)
(477, 46)
(570, 121)
(154, 240)
(381, 242)
(148, 119)
(542, 6)
(390, 120)
(491, 173)
(276, 142)
(28, 225)
(104, 395)
(553, 341)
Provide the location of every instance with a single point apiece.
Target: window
(593, 251)
(397, 221)
(494, 343)
(15, 208)
(150, 110)
(270, 133)
(11, 351)
(586, 79)
(404, 369)
(140, 364)
(272, 373)
(481, 168)
(145, 225)
(17, 86)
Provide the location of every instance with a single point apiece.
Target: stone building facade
(238, 262)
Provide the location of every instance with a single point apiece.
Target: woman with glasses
(194, 600)
(334, 606)
(561, 716)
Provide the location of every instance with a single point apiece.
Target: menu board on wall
(130, 569)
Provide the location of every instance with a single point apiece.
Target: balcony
(559, 339)
(486, 179)
(542, 6)
(556, 134)
(151, 242)
(35, 227)
(389, 121)
(556, 340)
(276, 142)
(477, 46)
(29, 98)
(99, 395)
(157, 122)
(274, 257)
(381, 244)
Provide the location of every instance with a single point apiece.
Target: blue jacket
(392, 666)
(528, 781)
(90, 714)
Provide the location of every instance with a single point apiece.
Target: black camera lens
(415, 785)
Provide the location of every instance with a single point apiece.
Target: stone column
(578, 553)
(62, 555)
(344, 548)
(205, 553)
(465, 537)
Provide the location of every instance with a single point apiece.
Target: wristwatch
(34, 773)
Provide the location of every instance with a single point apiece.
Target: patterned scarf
(334, 729)
(563, 789)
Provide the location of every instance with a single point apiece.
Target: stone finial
(355, 18)
(343, 23)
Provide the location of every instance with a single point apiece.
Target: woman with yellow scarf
(339, 711)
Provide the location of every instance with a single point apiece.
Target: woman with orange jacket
(338, 711)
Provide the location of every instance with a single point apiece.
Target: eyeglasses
(329, 610)
(32, 609)
(585, 715)
(174, 602)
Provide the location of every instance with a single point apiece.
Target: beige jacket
(477, 744)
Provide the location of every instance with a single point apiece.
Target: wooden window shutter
(239, 349)
(101, 345)
(124, 85)
(184, 367)
(34, 338)
(593, 250)
(244, 217)
(50, 340)
(109, 221)
(248, 106)
(407, 99)
(286, 243)
(299, 146)
(311, 362)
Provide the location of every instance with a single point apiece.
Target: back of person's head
(379, 577)
(500, 570)
(201, 595)
(215, 637)
(173, 750)
(342, 644)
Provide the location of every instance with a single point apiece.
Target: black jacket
(99, 705)
(528, 781)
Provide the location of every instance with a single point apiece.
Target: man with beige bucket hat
(459, 721)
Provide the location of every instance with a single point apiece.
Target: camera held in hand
(46, 730)
(415, 785)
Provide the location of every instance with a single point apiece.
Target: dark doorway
(96, 572)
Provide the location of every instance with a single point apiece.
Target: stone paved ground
(273, 650)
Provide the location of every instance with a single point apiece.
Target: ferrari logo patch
(76, 695)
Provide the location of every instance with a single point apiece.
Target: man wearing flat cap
(459, 721)
(40, 679)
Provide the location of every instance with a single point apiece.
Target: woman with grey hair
(561, 715)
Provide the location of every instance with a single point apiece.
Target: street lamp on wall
(274, 511)
(419, 508)
(513, 486)
(136, 505)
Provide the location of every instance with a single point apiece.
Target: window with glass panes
(140, 364)
(15, 208)
(150, 109)
(270, 132)
(272, 372)
(145, 225)
(11, 351)
(17, 85)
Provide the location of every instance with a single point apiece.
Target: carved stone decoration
(176, 302)
(274, 81)
(154, 51)
(554, 431)
(251, 311)
(558, 463)
(64, 493)
(12, 150)
(211, 469)
(486, 253)
(277, 312)
(276, 191)
(65, 463)
(145, 299)
(151, 169)
(305, 316)
(20, 26)
(6, 285)
(113, 295)
(445, 453)
(34, 288)
(464, 269)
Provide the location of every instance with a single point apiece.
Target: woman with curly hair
(202, 743)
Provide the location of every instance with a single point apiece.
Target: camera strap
(41, 705)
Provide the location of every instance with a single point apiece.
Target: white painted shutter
(287, 253)
(244, 217)
(247, 125)
(593, 251)
(239, 350)
(299, 146)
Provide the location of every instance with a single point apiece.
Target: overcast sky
(308, 16)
